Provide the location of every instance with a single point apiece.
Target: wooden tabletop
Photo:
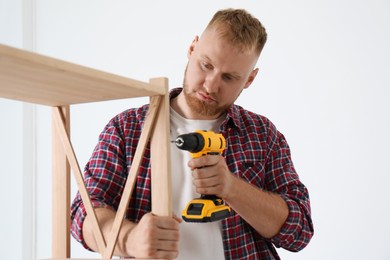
(35, 78)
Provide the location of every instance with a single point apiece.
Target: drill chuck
(193, 142)
(201, 142)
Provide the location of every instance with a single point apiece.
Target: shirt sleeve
(282, 178)
(78, 214)
(104, 177)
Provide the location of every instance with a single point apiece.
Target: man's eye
(207, 66)
(227, 77)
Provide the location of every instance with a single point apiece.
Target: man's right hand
(154, 237)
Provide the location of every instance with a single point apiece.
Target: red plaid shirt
(256, 152)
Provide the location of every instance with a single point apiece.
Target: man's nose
(212, 83)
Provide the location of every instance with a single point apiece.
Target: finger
(204, 173)
(167, 235)
(162, 254)
(204, 161)
(206, 182)
(167, 245)
(167, 223)
(167, 249)
(175, 217)
(209, 190)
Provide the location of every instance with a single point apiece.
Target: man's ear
(251, 77)
(192, 46)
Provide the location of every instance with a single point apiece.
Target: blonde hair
(240, 28)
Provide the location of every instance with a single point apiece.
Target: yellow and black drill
(207, 208)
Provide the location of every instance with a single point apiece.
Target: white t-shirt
(197, 240)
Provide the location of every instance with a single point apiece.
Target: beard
(201, 107)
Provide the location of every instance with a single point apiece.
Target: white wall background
(16, 148)
(324, 82)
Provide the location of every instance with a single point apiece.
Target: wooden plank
(160, 157)
(128, 189)
(59, 122)
(35, 78)
(61, 192)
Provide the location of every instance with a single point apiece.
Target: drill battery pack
(205, 210)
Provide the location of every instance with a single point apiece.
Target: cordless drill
(207, 208)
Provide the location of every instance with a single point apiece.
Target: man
(255, 176)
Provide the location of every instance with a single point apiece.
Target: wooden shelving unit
(38, 79)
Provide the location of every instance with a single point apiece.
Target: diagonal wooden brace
(128, 190)
(59, 122)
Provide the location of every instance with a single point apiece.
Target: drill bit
(178, 142)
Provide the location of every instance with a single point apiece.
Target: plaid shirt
(256, 152)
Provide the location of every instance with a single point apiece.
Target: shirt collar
(232, 116)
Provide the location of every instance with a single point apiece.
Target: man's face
(216, 74)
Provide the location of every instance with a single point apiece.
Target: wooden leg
(61, 193)
(160, 157)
